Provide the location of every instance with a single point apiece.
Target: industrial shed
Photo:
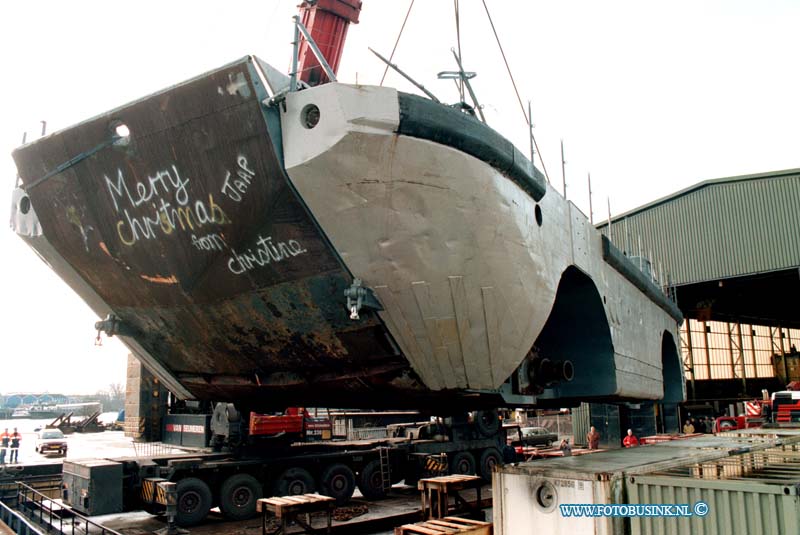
(728, 251)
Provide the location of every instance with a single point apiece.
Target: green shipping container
(757, 492)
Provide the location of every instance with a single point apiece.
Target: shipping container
(533, 493)
(754, 492)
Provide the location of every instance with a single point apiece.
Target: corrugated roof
(717, 229)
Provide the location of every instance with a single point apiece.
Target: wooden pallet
(452, 481)
(446, 525)
(288, 509)
(435, 493)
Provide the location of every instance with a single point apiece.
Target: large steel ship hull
(222, 231)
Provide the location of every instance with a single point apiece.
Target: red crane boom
(327, 22)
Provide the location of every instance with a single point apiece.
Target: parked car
(51, 441)
(538, 436)
(529, 436)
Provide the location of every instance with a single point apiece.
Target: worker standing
(15, 439)
(593, 438)
(4, 440)
(688, 428)
(630, 440)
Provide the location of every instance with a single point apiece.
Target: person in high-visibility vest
(15, 438)
(5, 438)
(630, 440)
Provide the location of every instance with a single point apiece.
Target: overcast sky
(648, 97)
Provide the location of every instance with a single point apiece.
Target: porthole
(122, 130)
(120, 133)
(537, 211)
(25, 205)
(309, 116)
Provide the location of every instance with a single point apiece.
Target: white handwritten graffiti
(164, 217)
(209, 242)
(159, 184)
(265, 253)
(237, 187)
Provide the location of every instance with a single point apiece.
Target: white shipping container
(527, 496)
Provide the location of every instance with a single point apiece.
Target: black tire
(238, 496)
(370, 481)
(489, 459)
(194, 501)
(462, 463)
(487, 422)
(293, 481)
(338, 481)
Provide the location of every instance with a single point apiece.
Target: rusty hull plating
(189, 232)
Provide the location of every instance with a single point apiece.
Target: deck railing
(53, 516)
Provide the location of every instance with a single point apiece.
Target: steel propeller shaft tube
(545, 372)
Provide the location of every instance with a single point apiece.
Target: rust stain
(72, 217)
(281, 327)
(158, 279)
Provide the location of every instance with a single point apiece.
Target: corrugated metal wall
(734, 507)
(754, 492)
(718, 229)
(604, 417)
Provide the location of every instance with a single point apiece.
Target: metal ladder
(386, 468)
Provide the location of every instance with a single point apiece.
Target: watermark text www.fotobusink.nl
(657, 509)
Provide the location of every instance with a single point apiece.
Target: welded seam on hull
(271, 121)
(393, 315)
(438, 349)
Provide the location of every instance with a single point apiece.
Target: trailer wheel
(194, 501)
(489, 459)
(294, 481)
(338, 481)
(238, 496)
(462, 463)
(370, 481)
(487, 422)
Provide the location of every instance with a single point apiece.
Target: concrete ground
(108, 444)
(401, 507)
